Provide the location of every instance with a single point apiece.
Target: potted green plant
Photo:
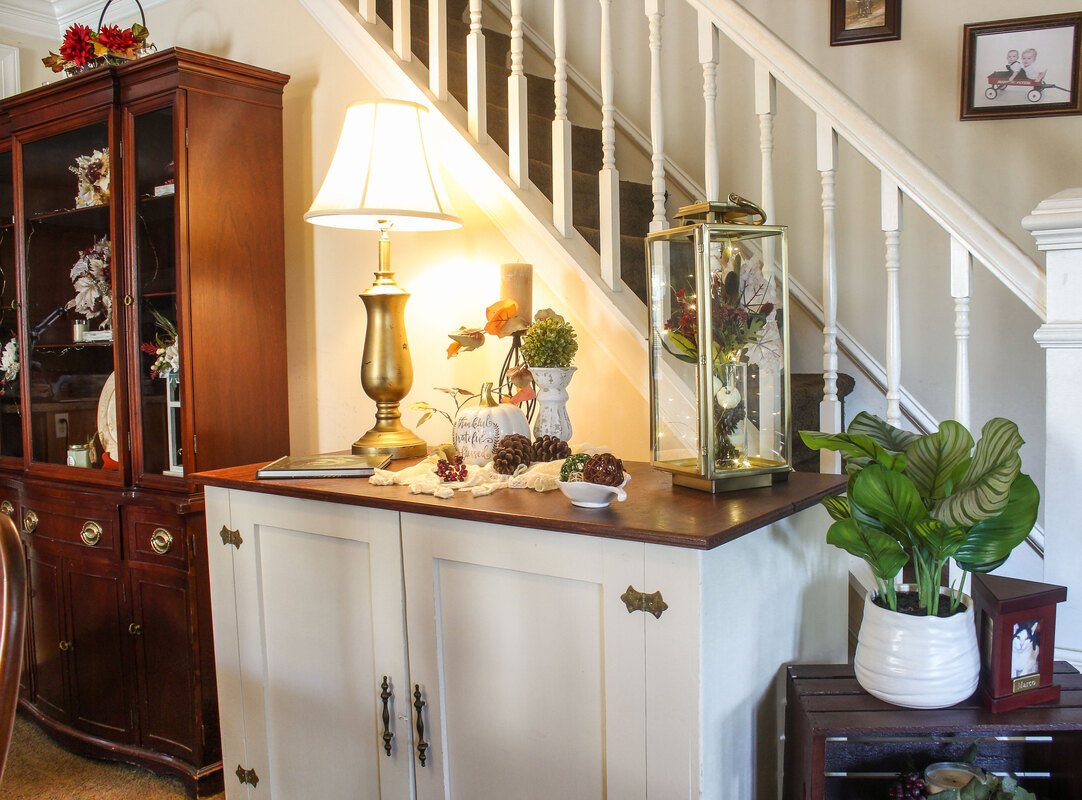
(926, 499)
(549, 346)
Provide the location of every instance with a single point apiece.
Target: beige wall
(452, 276)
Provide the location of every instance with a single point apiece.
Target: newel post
(1056, 224)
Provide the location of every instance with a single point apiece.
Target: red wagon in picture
(997, 82)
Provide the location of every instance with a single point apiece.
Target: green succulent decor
(550, 341)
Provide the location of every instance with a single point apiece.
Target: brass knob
(6, 507)
(128, 299)
(65, 646)
(161, 541)
(30, 521)
(135, 630)
(91, 533)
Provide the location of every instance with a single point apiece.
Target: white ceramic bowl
(593, 495)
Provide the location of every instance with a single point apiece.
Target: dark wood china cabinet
(142, 339)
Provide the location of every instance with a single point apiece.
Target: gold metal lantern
(719, 348)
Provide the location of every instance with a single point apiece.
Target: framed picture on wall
(1022, 67)
(859, 21)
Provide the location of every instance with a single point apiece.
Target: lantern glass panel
(719, 354)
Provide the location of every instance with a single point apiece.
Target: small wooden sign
(1016, 628)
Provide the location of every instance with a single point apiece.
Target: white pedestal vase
(552, 419)
(917, 662)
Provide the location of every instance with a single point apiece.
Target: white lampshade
(381, 172)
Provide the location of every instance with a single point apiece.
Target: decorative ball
(572, 467)
(550, 448)
(511, 451)
(605, 469)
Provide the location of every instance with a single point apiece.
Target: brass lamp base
(389, 435)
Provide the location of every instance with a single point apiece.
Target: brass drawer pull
(30, 521)
(385, 696)
(91, 533)
(6, 507)
(422, 745)
(65, 646)
(639, 601)
(161, 541)
(135, 629)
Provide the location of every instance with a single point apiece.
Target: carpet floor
(38, 769)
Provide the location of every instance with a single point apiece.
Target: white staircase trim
(949, 209)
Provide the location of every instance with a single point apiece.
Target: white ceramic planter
(552, 419)
(917, 662)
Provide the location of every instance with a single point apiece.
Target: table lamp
(382, 177)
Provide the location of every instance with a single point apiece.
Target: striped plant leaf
(882, 432)
(837, 507)
(930, 460)
(983, 491)
(859, 450)
(892, 498)
(938, 540)
(991, 541)
(883, 554)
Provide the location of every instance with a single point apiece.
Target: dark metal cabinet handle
(135, 629)
(422, 745)
(385, 696)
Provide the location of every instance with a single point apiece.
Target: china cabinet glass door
(158, 451)
(68, 257)
(11, 437)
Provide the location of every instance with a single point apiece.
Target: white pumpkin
(478, 429)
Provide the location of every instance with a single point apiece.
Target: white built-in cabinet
(513, 667)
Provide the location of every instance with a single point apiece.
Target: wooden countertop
(655, 511)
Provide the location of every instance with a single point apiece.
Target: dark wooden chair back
(12, 628)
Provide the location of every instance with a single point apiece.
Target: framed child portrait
(1022, 67)
(860, 21)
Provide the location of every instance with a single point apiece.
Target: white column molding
(708, 58)
(655, 11)
(892, 229)
(561, 125)
(609, 178)
(517, 140)
(476, 87)
(766, 107)
(830, 408)
(1056, 224)
(9, 70)
(400, 29)
(437, 48)
(961, 291)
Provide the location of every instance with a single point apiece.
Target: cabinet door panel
(99, 618)
(48, 632)
(531, 667)
(320, 622)
(164, 650)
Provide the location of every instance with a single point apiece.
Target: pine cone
(512, 450)
(550, 448)
(605, 469)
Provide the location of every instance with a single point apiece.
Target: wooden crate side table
(843, 744)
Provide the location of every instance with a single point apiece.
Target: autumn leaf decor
(503, 320)
(82, 48)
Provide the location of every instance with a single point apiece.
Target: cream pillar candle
(516, 283)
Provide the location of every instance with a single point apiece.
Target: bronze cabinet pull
(385, 696)
(135, 629)
(422, 745)
(6, 507)
(30, 521)
(91, 533)
(161, 541)
(65, 646)
(652, 603)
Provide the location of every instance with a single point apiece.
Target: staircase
(636, 204)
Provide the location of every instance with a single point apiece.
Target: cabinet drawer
(156, 540)
(86, 526)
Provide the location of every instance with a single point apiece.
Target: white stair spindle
(830, 408)
(708, 58)
(517, 143)
(367, 10)
(437, 48)
(961, 291)
(609, 178)
(476, 88)
(561, 125)
(892, 229)
(770, 392)
(400, 29)
(655, 11)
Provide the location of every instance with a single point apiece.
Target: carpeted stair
(636, 202)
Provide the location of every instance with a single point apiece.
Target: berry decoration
(550, 448)
(572, 467)
(909, 786)
(605, 469)
(451, 470)
(511, 451)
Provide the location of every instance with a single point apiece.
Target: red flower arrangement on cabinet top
(83, 49)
